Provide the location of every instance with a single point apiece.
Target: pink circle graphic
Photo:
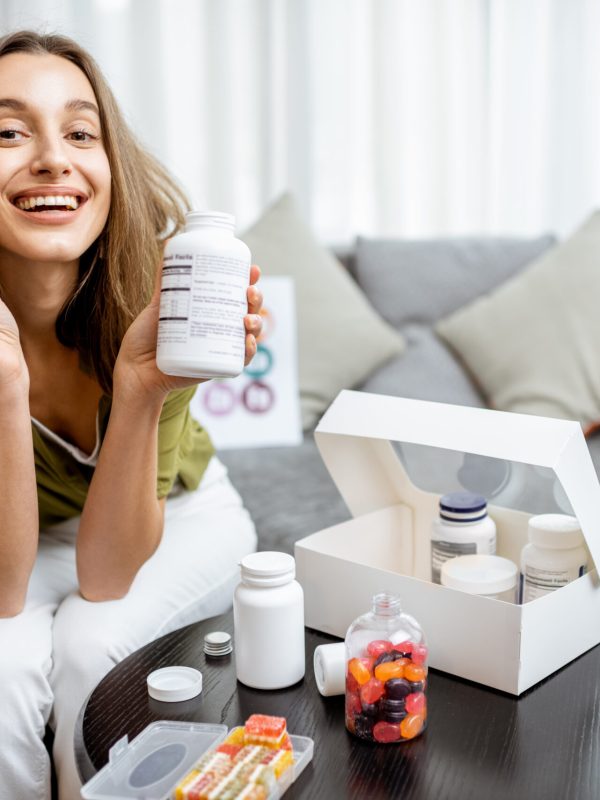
(219, 399)
(258, 397)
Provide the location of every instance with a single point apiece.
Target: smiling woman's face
(54, 171)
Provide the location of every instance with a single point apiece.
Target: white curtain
(383, 117)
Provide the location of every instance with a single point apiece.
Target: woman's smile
(50, 205)
(55, 181)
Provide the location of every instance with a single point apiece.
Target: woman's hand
(13, 369)
(136, 374)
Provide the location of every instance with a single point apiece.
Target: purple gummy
(363, 726)
(399, 654)
(370, 709)
(398, 688)
(389, 704)
(417, 686)
(383, 659)
(394, 716)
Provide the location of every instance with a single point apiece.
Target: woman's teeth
(52, 201)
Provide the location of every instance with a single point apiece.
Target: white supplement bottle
(556, 555)
(203, 301)
(268, 618)
(489, 576)
(463, 528)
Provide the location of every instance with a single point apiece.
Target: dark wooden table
(480, 744)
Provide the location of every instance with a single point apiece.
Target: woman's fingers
(254, 274)
(255, 300)
(253, 324)
(250, 348)
(253, 294)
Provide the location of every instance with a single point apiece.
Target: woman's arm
(19, 509)
(122, 520)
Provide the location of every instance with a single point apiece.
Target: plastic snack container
(151, 766)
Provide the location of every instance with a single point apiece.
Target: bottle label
(536, 582)
(441, 551)
(203, 301)
(175, 294)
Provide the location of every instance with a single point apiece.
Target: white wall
(384, 117)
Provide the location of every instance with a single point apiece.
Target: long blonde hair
(118, 271)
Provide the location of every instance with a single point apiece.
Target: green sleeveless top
(184, 450)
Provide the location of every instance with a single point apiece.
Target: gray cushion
(532, 344)
(423, 281)
(341, 338)
(287, 490)
(427, 371)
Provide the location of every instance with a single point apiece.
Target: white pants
(54, 653)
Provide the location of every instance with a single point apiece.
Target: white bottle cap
(209, 219)
(479, 574)
(173, 684)
(556, 531)
(329, 663)
(268, 568)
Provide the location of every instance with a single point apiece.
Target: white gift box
(386, 546)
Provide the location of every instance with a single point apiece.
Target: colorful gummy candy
(360, 669)
(246, 766)
(385, 691)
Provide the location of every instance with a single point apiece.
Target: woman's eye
(11, 135)
(82, 136)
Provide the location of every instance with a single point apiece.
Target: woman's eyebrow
(70, 105)
(15, 105)
(81, 105)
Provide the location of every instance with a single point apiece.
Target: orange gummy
(236, 737)
(414, 673)
(360, 669)
(391, 669)
(263, 725)
(286, 743)
(229, 749)
(411, 726)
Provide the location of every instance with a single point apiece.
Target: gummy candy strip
(182, 788)
(264, 725)
(280, 760)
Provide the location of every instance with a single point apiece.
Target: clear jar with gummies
(386, 674)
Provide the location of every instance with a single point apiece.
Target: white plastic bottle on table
(268, 618)
(203, 300)
(556, 555)
(463, 528)
(386, 674)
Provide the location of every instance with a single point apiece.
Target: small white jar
(268, 618)
(490, 576)
(463, 528)
(203, 300)
(556, 555)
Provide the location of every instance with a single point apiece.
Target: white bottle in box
(555, 556)
(203, 301)
(463, 528)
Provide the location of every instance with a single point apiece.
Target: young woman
(117, 522)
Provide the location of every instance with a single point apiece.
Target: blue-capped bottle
(463, 528)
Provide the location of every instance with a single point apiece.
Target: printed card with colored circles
(261, 407)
